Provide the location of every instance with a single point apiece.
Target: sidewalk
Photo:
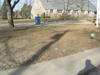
(69, 65)
(48, 23)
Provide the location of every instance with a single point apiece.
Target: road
(48, 23)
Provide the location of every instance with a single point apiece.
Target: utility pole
(88, 8)
(97, 14)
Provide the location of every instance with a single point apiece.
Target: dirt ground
(30, 45)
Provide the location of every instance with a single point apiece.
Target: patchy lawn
(29, 45)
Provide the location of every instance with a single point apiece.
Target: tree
(29, 6)
(3, 10)
(26, 2)
(0, 4)
(74, 5)
(16, 14)
(0, 10)
(10, 8)
(69, 2)
(29, 10)
(81, 3)
(94, 2)
(25, 10)
(66, 4)
(31, 2)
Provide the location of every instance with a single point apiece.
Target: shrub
(4, 18)
(65, 17)
(46, 17)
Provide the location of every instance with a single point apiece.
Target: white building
(55, 8)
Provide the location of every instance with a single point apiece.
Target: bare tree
(94, 2)
(10, 8)
(81, 3)
(26, 1)
(74, 4)
(66, 4)
(31, 2)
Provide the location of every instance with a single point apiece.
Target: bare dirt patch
(30, 45)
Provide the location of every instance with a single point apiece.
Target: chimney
(47, 0)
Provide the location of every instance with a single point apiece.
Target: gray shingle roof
(59, 4)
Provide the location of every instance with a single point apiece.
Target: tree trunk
(10, 8)
(9, 14)
(10, 17)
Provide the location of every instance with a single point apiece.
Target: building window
(59, 11)
(83, 12)
(51, 10)
(75, 11)
(37, 2)
(68, 11)
(89, 12)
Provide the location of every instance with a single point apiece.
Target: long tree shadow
(6, 52)
(39, 53)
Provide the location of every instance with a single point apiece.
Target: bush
(53, 15)
(49, 19)
(16, 18)
(46, 17)
(65, 17)
(4, 18)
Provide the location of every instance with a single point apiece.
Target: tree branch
(15, 4)
(9, 2)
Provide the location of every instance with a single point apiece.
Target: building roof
(59, 4)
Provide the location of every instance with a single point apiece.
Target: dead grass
(28, 45)
(18, 21)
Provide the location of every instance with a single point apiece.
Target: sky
(94, 2)
(18, 6)
(21, 2)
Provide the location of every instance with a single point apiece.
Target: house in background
(55, 8)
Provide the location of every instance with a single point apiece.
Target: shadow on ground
(11, 34)
(38, 54)
(88, 69)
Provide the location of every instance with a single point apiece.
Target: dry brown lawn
(29, 45)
